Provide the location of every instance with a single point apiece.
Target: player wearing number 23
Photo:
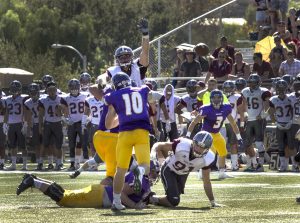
(214, 116)
(130, 104)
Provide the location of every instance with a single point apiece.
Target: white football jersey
(283, 109)
(235, 100)
(255, 101)
(86, 92)
(15, 108)
(50, 107)
(295, 102)
(32, 106)
(191, 104)
(96, 108)
(180, 162)
(75, 105)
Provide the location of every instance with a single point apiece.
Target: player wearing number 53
(130, 105)
(214, 116)
(183, 156)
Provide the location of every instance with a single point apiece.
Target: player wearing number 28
(214, 116)
(130, 104)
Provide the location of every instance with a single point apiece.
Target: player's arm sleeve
(143, 70)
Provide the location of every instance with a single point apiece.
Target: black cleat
(39, 167)
(50, 166)
(137, 183)
(59, 167)
(74, 175)
(298, 199)
(1, 166)
(26, 183)
(72, 168)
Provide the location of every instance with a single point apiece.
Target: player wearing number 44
(214, 116)
(130, 106)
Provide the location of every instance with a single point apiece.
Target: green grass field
(249, 197)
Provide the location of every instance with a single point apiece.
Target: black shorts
(93, 128)
(36, 136)
(2, 137)
(173, 183)
(53, 133)
(294, 129)
(284, 138)
(173, 134)
(74, 130)
(231, 137)
(15, 136)
(254, 132)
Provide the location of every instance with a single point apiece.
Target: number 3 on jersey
(218, 122)
(133, 103)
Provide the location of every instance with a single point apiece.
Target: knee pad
(174, 200)
(55, 192)
(260, 146)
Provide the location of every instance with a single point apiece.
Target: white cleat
(223, 175)
(117, 207)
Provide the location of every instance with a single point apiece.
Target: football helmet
(274, 81)
(46, 79)
(204, 140)
(288, 79)
(216, 98)
(74, 87)
(228, 88)
(296, 84)
(124, 56)
(191, 88)
(121, 80)
(240, 84)
(34, 91)
(254, 81)
(15, 88)
(85, 80)
(281, 87)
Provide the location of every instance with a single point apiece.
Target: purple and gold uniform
(131, 105)
(105, 141)
(212, 123)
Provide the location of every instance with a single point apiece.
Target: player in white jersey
(236, 102)
(32, 117)
(50, 125)
(14, 118)
(169, 127)
(190, 102)
(45, 80)
(73, 107)
(2, 135)
(135, 69)
(257, 100)
(186, 156)
(295, 100)
(281, 112)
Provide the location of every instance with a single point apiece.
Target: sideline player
(130, 106)
(186, 156)
(213, 116)
(2, 135)
(92, 196)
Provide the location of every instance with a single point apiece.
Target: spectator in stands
(290, 66)
(261, 67)
(276, 6)
(293, 24)
(190, 67)
(202, 51)
(261, 14)
(240, 68)
(178, 61)
(224, 45)
(282, 32)
(277, 55)
(220, 69)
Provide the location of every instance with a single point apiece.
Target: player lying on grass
(185, 155)
(93, 196)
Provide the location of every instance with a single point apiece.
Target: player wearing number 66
(130, 105)
(185, 155)
(214, 116)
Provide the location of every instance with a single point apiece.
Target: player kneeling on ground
(93, 196)
(186, 156)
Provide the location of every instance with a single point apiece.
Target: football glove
(143, 26)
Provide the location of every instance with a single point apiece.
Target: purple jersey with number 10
(214, 118)
(131, 105)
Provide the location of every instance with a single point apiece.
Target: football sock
(117, 197)
(292, 158)
(50, 159)
(37, 183)
(24, 160)
(234, 160)
(287, 159)
(77, 159)
(248, 161)
(254, 161)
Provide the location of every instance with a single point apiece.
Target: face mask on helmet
(296, 87)
(216, 101)
(15, 88)
(74, 87)
(124, 59)
(192, 91)
(85, 81)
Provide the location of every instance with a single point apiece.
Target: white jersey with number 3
(255, 99)
(283, 109)
(96, 108)
(15, 108)
(180, 162)
(295, 101)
